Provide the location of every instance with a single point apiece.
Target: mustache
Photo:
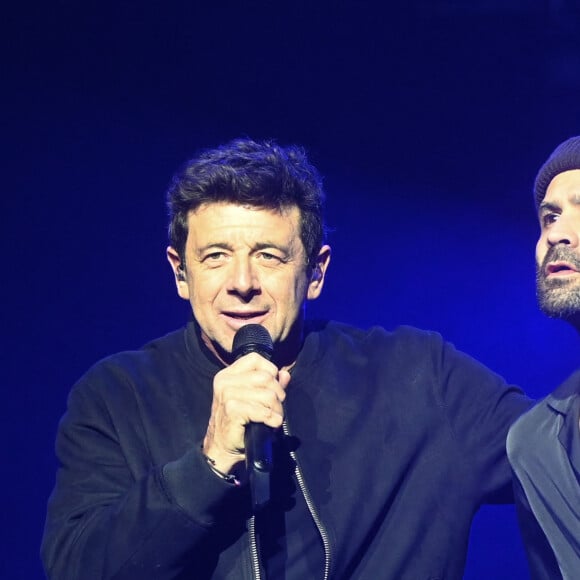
(559, 253)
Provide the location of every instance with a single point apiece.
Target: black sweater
(399, 438)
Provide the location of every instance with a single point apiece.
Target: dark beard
(559, 297)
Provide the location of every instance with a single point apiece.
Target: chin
(563, 305)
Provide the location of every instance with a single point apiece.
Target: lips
(244, 315)
(560, 268)
(236, 319)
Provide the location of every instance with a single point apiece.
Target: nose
(563, 232)
(243, 279)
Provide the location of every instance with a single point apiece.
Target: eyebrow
(212, 246)
(548, 206)
(267, 245)
(222, 245)
(256, 248)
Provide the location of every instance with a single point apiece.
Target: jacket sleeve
(480, 407)
(109, 517)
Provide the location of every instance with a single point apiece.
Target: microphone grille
(252, 338)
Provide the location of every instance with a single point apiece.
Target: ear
(179, 272)
(318, 273)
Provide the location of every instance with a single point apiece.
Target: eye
(549, 218)
(270, 258)
(214, 258)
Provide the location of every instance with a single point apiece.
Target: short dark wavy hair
(261, 174)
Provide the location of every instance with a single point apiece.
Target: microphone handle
(258, 443)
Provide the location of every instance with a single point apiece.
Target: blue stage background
(429, 121)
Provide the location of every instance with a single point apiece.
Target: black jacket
(400, 438)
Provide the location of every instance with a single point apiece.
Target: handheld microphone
(258, 437)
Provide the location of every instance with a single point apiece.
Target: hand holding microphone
(246, 407)
(258, 437)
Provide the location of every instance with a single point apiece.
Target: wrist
(224, 474)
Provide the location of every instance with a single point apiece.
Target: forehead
(234, 221)
(564, 188)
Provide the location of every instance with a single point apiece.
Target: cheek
(204, 289)
(541, 249)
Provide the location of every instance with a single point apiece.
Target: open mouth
(560, 269)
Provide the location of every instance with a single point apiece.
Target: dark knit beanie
(564, 158)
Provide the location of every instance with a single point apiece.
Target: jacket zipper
(254, 556)
(254, 552)
(310, 504)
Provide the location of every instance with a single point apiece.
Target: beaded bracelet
(228, 477)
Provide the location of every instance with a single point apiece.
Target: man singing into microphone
(384, 445)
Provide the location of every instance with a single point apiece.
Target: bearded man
(543, 445)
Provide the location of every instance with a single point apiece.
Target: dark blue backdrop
(428, 119)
